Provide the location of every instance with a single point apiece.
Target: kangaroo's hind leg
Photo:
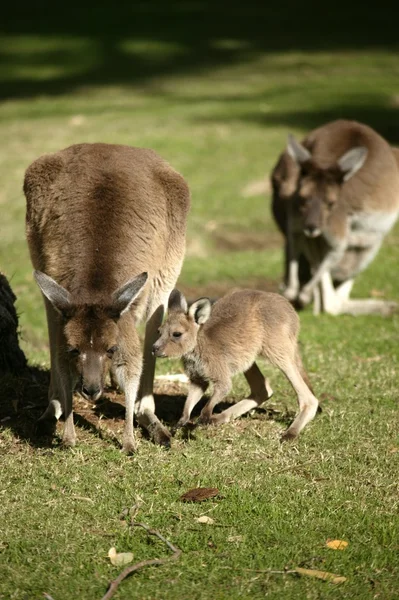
(287, 358)
(260, 392)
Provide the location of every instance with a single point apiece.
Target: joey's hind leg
(260, 392)
(260, 386)
(288, 359)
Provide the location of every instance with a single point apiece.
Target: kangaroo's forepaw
(288, 436)
(129, 446)
(204, 419)
(68, 442)
(305, 297)
(162, 437)
(290, 293)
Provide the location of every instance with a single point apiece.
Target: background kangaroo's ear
(177, 302)
(352, 161)
(123, 297)
(298, 152)
(59, 297)
(200, 310)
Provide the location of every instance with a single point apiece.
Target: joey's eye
(73, 351)
(177, 334)
(111, 351)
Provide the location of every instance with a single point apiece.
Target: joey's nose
(156, 351)
(91, 392)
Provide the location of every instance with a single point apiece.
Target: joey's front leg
(220, 390)
(196, 391)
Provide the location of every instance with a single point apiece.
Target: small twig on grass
(113, 586)
(47, 596)
(270, 571)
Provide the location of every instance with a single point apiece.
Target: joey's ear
(200, 310)
(59, 297)
(123, 297)
(298, 152)
(177, 302)
(352, 161)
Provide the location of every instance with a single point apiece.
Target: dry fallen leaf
(336, 544)
(205, 519)
(324, 575)
(119, 559)
(199, 494)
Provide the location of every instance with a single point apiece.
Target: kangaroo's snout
(91, 392)
(312, 231)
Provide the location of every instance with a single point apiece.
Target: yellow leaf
(324, 575)
(205, 519)
(119, 559)
(336, 544)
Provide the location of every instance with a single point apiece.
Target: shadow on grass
(53, 49)
(384, 119)
(23, 399)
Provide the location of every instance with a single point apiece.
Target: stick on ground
(144, 563)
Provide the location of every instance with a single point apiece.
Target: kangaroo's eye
(73, 351)
(111, 351)
(177, 334)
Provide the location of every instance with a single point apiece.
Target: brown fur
(242, 325)
(333, 219)
(98, 215)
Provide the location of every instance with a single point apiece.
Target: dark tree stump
(12, 359)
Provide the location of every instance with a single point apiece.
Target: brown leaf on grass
(324, 575)
(119, 559)
(336, 544)
(199, 494)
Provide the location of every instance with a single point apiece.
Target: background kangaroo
(218, 341)
(335, 197)
(106, 232)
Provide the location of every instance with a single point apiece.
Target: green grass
(215, 94)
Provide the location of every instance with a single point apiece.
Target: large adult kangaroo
(106, 232)
(335, 197)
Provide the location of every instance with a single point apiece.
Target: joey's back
(240, 323)
(98, 214)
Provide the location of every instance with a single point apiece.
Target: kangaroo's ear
(297, 151)
(352, 161)
(177, 302)
(123, 297)
(59, 297)
(200, 310)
